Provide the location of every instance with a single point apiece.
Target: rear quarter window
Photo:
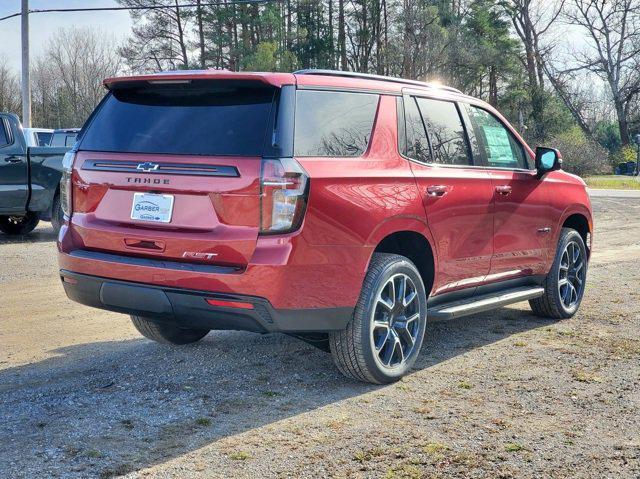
(203, 118)
(4, 136)
(333, 124)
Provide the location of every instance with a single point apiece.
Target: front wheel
(383, 339)
(565, 283)
(19, 225)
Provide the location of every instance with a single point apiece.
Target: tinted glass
(333, 123)
(4, 138)
(417, 143)
(496, 145)
(44, 138)
(70, 139)
(195, 119)
(445, 131)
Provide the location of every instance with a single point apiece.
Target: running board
(486, 302)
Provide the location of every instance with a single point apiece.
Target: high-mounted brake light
(169, 82)
(283, 199)
(66, 200)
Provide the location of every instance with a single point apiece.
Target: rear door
(457, 196)
(522, 226)
(173, 170)
(14, 168)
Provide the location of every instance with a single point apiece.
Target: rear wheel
(165, 333)
(383, 339)
(57, 215)
(19, 225)
(565, 283)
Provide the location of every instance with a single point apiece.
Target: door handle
(13, 159)
(503, 190)
(437, 190)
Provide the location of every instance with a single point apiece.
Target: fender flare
(398, 224)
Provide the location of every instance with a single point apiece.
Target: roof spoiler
(186, 76)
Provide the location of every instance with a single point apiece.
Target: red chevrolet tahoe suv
(344, 209)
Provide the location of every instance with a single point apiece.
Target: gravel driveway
(501, 394)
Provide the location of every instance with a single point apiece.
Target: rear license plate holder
(152, 207)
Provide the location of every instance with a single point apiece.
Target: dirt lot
(503, 394)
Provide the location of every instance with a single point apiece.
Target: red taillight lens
(283, 200)
(66, 200)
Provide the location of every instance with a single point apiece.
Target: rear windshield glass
(191, 119)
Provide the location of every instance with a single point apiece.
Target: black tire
(552, 303)
(165, 333)
(353, 349)
(19, 225)
(57, 215)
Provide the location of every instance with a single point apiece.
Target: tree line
(563, 71)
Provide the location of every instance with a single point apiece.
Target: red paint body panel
(477, 235)
(461, 221)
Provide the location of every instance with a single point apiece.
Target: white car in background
(37, 136)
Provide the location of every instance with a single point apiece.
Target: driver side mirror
(547, 159)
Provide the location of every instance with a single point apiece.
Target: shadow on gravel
(111, 407)
(39, 235)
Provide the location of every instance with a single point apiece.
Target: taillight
(65, 183)
(283, 199)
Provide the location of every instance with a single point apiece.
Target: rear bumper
(189, 308)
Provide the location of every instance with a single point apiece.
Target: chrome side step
(486, 302)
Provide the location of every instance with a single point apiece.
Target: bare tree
(9, 88)
(613, 31)
(78, 61)
(531, 20)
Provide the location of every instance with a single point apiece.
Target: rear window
(43, 138)
(63, 139)
(201, 118)
(4, 137)
(332, 123)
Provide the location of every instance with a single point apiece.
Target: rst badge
(201, 256)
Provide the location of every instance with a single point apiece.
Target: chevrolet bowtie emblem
(148, 167)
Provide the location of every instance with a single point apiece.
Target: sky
(43, 25)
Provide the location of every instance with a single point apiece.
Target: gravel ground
(503, 394)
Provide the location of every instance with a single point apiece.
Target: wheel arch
(414, 246)
(582, 223)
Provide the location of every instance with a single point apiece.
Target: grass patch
(270, 394)
(586, 377)
(240, 456)
(514, 447)
(203, 421)
(435, 448)
(464, 385)
(94, 454)
(364, 456)
(127, 424)
(613, 182)
(407, 471)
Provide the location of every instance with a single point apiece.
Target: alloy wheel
(395, 321)
(571, 275)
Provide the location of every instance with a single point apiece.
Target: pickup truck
(29, 180)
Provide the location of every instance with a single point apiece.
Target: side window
(4, 137)
(446, 132)
(417, 146)
(496, 145)
(332, 123)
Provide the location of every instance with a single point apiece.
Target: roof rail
(368, 76)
